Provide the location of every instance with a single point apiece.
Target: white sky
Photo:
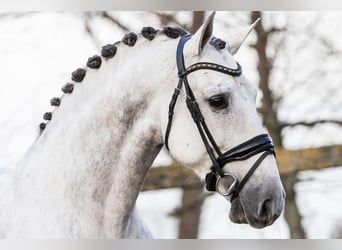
(39, 51)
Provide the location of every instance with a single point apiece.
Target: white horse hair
(82, 176)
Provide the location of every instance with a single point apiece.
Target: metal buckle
(226, 184)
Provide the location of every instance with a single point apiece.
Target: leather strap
(176, 92)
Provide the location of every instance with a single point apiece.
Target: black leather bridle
(216, 180)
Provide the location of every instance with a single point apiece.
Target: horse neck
(103, 138)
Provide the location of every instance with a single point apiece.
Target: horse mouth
(238, 214)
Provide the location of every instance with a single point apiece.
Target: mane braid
(68, 88)
(108, 51)
(94, 62)
(217, 43)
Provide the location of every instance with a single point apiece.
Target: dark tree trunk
(190, 213)
(268, 107)
(198, 19)
(270, 119)
(292, 215)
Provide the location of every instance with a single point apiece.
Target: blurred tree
(269, 113)
(270, 107)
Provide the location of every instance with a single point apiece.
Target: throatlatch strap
(171, 112)
(176, 92)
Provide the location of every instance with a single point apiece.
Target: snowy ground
(38, 53)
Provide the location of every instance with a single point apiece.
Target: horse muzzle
(258, 211)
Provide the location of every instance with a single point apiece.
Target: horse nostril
(266, 210)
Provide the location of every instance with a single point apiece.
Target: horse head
(213, 128)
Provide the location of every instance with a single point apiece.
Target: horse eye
(218, 102)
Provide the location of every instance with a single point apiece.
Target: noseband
(216, 180)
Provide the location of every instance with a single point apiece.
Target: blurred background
(295, 58)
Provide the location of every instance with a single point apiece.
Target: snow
(38, 53)
(320, 200)
(155, 208)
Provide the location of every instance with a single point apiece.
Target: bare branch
(17, 14)
(89, 29)
(278, 46)
(198, 19)
(331, 49)
(311, 124)
(276, 30)
(168, 18)
(107, 16)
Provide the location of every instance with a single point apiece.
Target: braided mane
(109, 51)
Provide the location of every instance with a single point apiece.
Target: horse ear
(203, 34)
(236, 39)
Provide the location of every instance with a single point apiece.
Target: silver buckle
(226, 185)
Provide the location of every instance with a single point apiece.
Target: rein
(216, 180)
